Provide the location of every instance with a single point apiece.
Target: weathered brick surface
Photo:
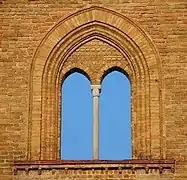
(95, 174)
(133, 169)
(23, 25)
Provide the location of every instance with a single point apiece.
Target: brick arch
(140, 61)
(114, 68)
(73, 70)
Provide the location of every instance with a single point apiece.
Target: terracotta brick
(145, 39)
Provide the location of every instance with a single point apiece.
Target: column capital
(96, 89)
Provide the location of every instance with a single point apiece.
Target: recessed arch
(76, 117)
(112, 69)
(139, 58)
(75, 70)
(115, 116)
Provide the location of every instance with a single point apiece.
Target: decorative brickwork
(43, 41)
(133, 169)
(71, 44)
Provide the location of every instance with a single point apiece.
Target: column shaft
(96, 128)
(95, 92)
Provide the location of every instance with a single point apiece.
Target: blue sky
(114, 118)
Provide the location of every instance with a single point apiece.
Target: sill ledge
(133, 165)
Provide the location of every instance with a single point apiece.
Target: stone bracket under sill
(106, 165)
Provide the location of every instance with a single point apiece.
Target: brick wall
(25, 23)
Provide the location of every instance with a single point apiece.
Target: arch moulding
(139, 59)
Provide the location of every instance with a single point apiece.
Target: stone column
(96, 89)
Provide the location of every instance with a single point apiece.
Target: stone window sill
(106, 165)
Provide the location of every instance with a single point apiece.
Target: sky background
(114, 118)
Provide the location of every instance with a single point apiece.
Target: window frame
(48, 71)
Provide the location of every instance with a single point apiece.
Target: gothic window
(76, 129)
(112, 140)
(115, 117)
(52, 61)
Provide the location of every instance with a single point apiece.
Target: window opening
(76, 126)
(115, 118)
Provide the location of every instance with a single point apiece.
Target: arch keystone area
(52, 60)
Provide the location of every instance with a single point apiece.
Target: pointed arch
(115, 116)
(75, 70)
(76, 118)
(52, 61)
(114, 68)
